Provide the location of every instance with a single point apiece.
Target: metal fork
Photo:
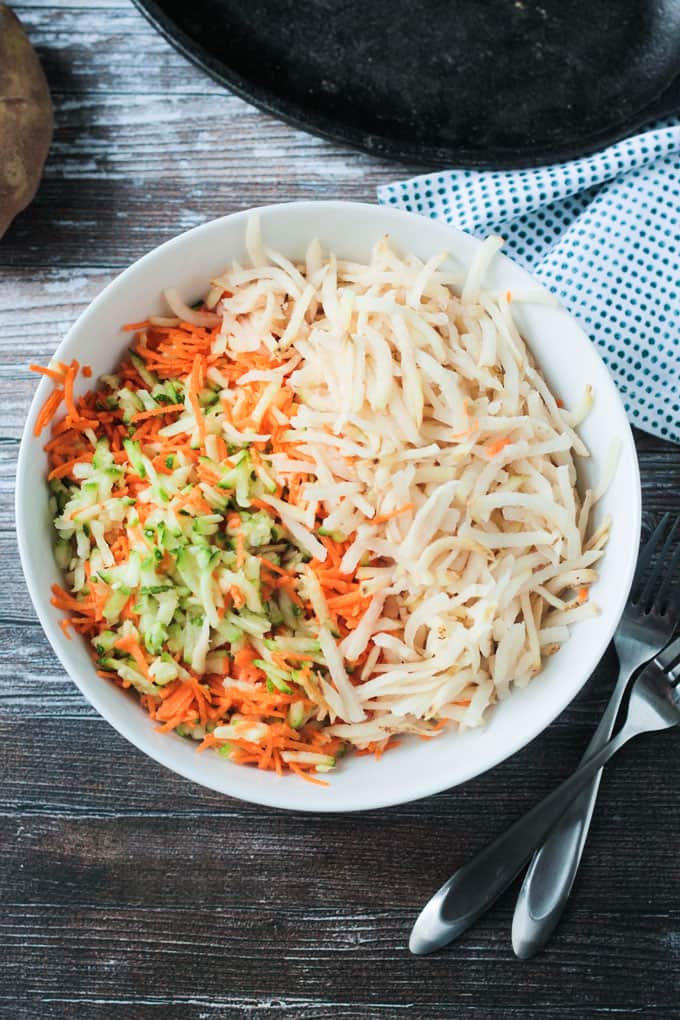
(645, 628)
(654, 705)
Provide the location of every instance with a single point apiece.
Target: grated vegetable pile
(331, 504)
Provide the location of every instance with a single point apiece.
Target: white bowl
(416, 768)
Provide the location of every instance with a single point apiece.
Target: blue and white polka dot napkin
(603, 234)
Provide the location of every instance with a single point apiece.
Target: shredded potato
(410, 394)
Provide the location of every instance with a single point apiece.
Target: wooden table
(126, 891)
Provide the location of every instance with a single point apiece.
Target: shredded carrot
(134, 327)
(305, 775)
(344, 601)
(240, 549)
(65, 469)
(289, 584)
(165, 409)
(48, 410)
(377, 748)
(69, 380)
(498, 444)
(266, 757)
(382, 518)
(466, 432)
(295, 657)
(195, 383)
(106, 674)
(131, 645)
(51, 373)
(261, 505)
(209, 741)
(272, 566)
(582, 595)
(243, 664)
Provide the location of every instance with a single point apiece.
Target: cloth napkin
(603, 234)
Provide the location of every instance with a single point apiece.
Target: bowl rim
(275, 796)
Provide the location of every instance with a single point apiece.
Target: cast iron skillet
(477, 83)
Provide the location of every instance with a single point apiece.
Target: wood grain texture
(128, 892)
(142, 153)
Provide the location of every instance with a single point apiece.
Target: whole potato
(25, 119)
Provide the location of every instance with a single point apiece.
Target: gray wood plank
(226, 1008)
(210, 950)
(126, 172)
(128, 945)
(83, 47)
(85, 881)
(64, 769)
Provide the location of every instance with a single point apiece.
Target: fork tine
(661, 595)
(669, 657)
(674, 675)
(646, 553)
(647, 596)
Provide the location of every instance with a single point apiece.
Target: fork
(645, 628)
(654, 705)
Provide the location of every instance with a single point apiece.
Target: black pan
(477, 83)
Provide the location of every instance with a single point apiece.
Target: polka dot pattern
(603, 234)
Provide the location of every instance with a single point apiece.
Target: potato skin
(25, 118)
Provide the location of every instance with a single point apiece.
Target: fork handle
(552, 871)
(477, 885)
